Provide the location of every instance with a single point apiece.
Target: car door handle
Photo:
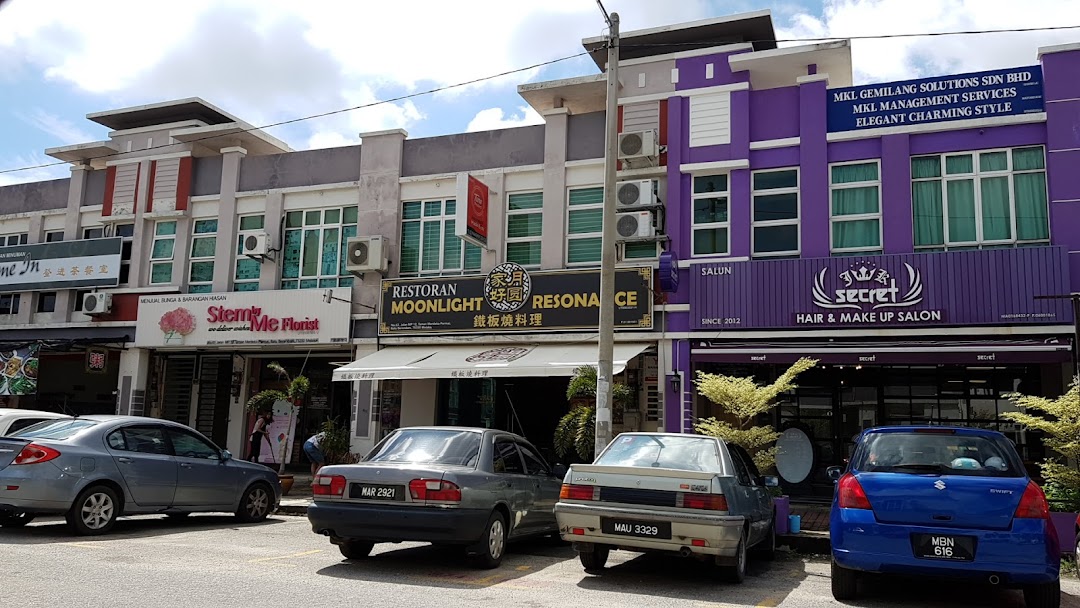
(124, 460)
(185, 465)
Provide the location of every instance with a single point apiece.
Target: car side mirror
(226, 455)
(770, 481)
(559, 471)
(834, 473)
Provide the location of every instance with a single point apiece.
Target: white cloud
(495, 118)
(904, 58)
(37, 174)
(63, 130)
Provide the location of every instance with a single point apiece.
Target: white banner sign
(270, 318)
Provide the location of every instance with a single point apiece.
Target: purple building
(899, 232)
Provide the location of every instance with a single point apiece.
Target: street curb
(291, 510)
(806, 542)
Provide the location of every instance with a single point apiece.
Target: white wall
(418, 400)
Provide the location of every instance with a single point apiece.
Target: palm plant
(576, 431)
(295, 390)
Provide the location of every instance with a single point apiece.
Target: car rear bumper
(38, 488)
(390, 523)
(720, 533)
(1024, 554)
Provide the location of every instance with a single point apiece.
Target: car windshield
(429, 446)
(938, 452)
(55, 429)
(686, 453)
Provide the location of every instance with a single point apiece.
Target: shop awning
(480, 361)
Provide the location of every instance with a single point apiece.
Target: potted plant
(575, 435)
(296, 388)
(335, 444)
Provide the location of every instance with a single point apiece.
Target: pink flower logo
(176, 324)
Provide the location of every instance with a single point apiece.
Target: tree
(1059, 421)
(295, 390)
(744, 400)
(576, 431)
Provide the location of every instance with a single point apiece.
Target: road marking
(523, 568)
(769, 602)
(269, 559)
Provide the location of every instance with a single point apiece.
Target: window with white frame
(524, 227)
(988, 198)
(314, 253)
(95, 232)
(855, 207)
(54, 236)
(126, 232)
(248, 270)
(710, 225)
(201, 261)
(775, 221)
(9, 304)
(13, 239)
(428, 243)
(161, 253)
(584, 225)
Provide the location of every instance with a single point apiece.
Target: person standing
(314, 453)
(259, 433)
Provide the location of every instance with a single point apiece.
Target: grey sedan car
(93, 469)
(470, 487)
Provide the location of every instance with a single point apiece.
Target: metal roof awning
(481, 361)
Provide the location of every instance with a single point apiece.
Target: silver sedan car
(471, 487)
(93, 469)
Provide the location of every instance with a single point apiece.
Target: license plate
(641, 529)
(944, 546)
(369, 491)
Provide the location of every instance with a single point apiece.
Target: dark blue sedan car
(942, 502)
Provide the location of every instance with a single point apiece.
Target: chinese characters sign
(97, 359)
(512, 299)
(943, 98)
(60, 265)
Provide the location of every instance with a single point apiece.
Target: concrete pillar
(273, 212)
(554, 224)
(380, 204)
(28, 299)
(76, 190)
(142, 240)
(224, 268)
(131, 383)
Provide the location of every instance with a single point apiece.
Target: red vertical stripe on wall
(663, 131)
(138, 179)
(183, 184)
(150, 191)
(110, 185)
(619, 129)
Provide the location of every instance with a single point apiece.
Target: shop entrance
(65, 385)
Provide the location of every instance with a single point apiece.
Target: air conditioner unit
(97, 303)
(638, 144)
(365, 254)
(256, 244)
(635, 224)
(637, 193)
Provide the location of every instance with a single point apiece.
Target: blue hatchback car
(942, 502)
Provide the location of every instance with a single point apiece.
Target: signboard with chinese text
(97, 360)
(942, 98)
(471, 219)
(513, 299)
(60, 265)
(272, 318)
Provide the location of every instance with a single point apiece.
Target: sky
(267, 61)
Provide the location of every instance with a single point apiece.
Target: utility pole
(605, 363)
(1075, 297)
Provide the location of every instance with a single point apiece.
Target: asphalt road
(210, 562)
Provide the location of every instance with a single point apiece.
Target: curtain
(472, 257)
(846, 174)
(856, 233)
(855, 201)
(525, 253)
(927, 211)
(996, 220)
(961, 197)
(410, 247)
(451, 246)
(993, 161)
(584, 250)
(959, 164)
(1029, 190)
(925, 166)
(432, 243)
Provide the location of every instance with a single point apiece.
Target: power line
(330, 113)
(552, 62)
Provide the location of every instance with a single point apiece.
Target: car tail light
(1033, 504)
(34, 453)
(328, 485)
(434, 489)
(852, 495)
(572, 492)
(710, 502)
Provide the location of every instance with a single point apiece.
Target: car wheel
(736, 572)
(94, 511)
(255, 505)
(766, 549)
(15, 520)
(1046, 595)
(492, 545)
(594, 560)
(1076, 556)
(356, 549)
(844, 582)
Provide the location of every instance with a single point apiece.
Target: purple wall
(896, 213)
(692, 71)
(987, 287)
(814, 173)
(774, 114)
